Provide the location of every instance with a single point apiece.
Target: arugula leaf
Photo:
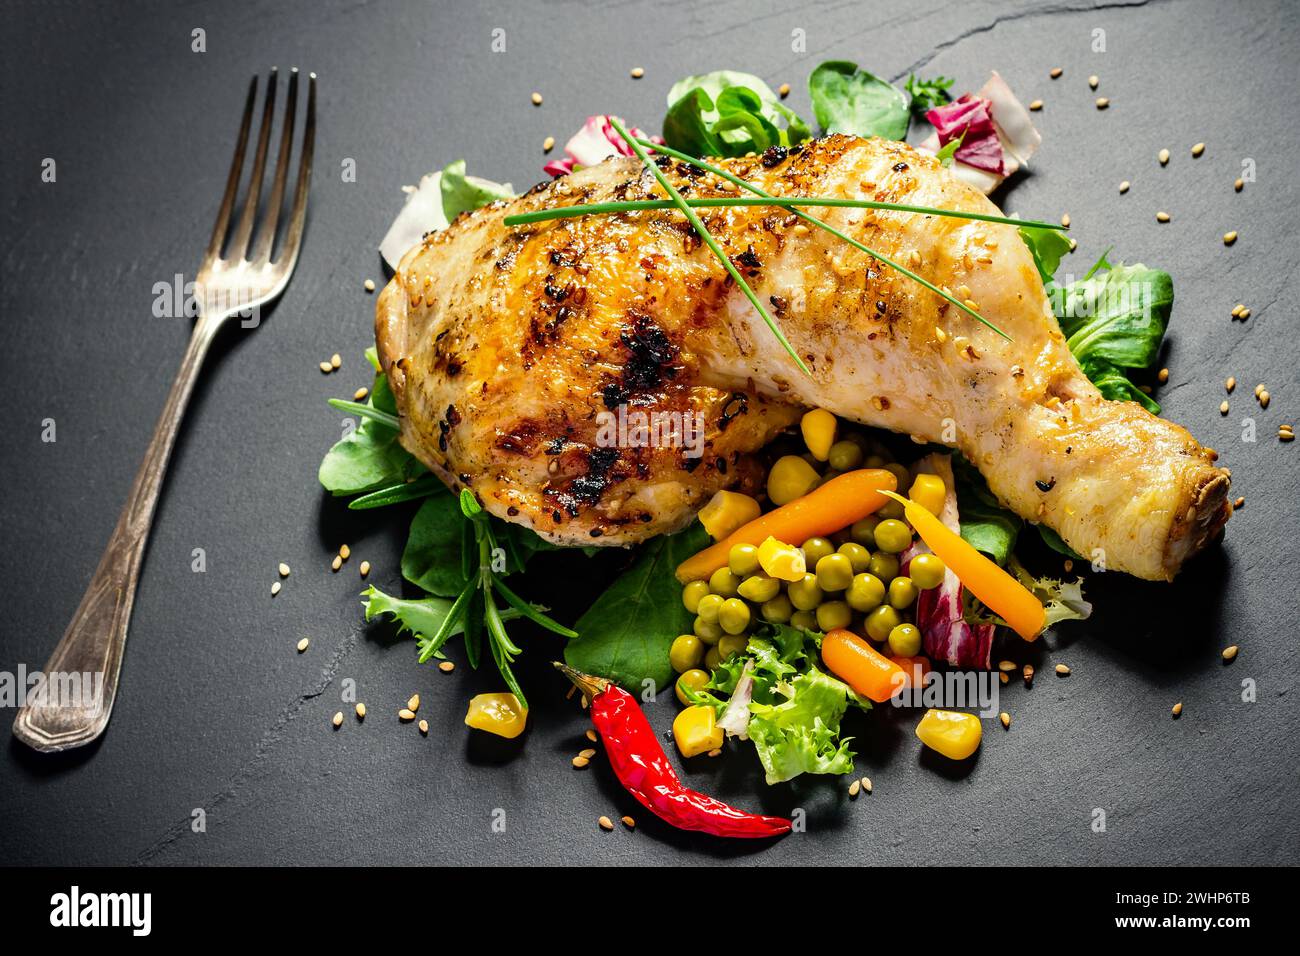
(626, 633)
(370, 457)
(421, 617)
(728, 113)
(1047, 247)
(927, 94)
(846, 99)
(461, 193)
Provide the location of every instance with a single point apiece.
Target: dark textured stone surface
(217, 710)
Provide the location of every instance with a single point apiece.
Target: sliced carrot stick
(837, 504)
(861, 666)
(1000, 592)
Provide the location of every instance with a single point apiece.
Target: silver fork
(81, 675)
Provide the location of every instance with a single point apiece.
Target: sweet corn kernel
(781, 560)
(501, 714)
(953, 734)
(819, 427)
(929, 492)
(696, 731)
(727, 511)
(790, 478)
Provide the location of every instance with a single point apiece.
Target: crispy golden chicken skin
(520, 356)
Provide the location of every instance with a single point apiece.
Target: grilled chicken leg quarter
(511, 349)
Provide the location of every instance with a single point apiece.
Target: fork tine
(232, 184)
(239, 242)
(266, 231)
(293, 238)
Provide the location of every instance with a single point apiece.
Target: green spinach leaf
(371, 456)
(846, 99)
(727, 113)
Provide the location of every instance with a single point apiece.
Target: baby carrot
(837, 504)
(1000, 592)
(861, 666)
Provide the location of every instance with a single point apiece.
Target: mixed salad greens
(769, 687)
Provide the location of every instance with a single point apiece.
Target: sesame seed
(800, 230)
(1162, 217)
(284, 570)
(336, 563)
(1036, 105)
(1162, 376)
(1239, 503)
(1093, 82)
(1230, 237)
(855, 788)
(548, 144)
(1005, 678)
(1285, 434)
(1102, 102)
(940, 334)
(447, 667)
(588, 753)
(637, 72)
(303, 644)
(405, 714)
(365, 568)
(1056, 73)
(361, 711)
(1230, 383)
(1123, 187)
(1239, 185)
(783, 90)
(275, 589)
(345, 552)
(537, 99)
(338, 719)
(1259, 388)
(1223, 408)
(1197, 150)
(866, 784)
(1073, 245)
(1178, 708)
(1005, 718)
(591, 735)
(606, 823)
(1065, 220)
(424, 727)
(370, 285)
(326, 367)
(336, 360)
(628, 822)
(1028, 672)
(1063, 670)
(711, 753)
(1264, 399)
(360, 394)
(1163, 156)
(1244, 314)
(413, 702)
(1006, 665)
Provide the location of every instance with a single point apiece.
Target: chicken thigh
(526, 361)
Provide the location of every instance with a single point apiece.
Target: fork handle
(92, 645)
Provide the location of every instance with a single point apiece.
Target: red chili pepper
(642, 767)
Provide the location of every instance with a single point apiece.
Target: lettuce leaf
(728, 113)
(801, 733)
(847, 99)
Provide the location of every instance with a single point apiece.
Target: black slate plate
(217, 712)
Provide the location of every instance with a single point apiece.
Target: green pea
(905, 640)
(712, 659)
(834, 572)
(864, 531)
(759, 588)
(708, 607)
(875, 461)
(927, 571)
(734, 616)
(845, 456)
(901, 475)
(707, 631)
(881, 621)
(814, 549)
(695, 679)
(884, 566)
(743, 560)
(731, 645)
(892, 536)
(692, 593)
(833, 614)
(724, 582)
(777, 610)
(865, 592)
(858, 556)
(686, 653)
(804, 593)
(890, 509)
(804, 620)
(902, 592)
